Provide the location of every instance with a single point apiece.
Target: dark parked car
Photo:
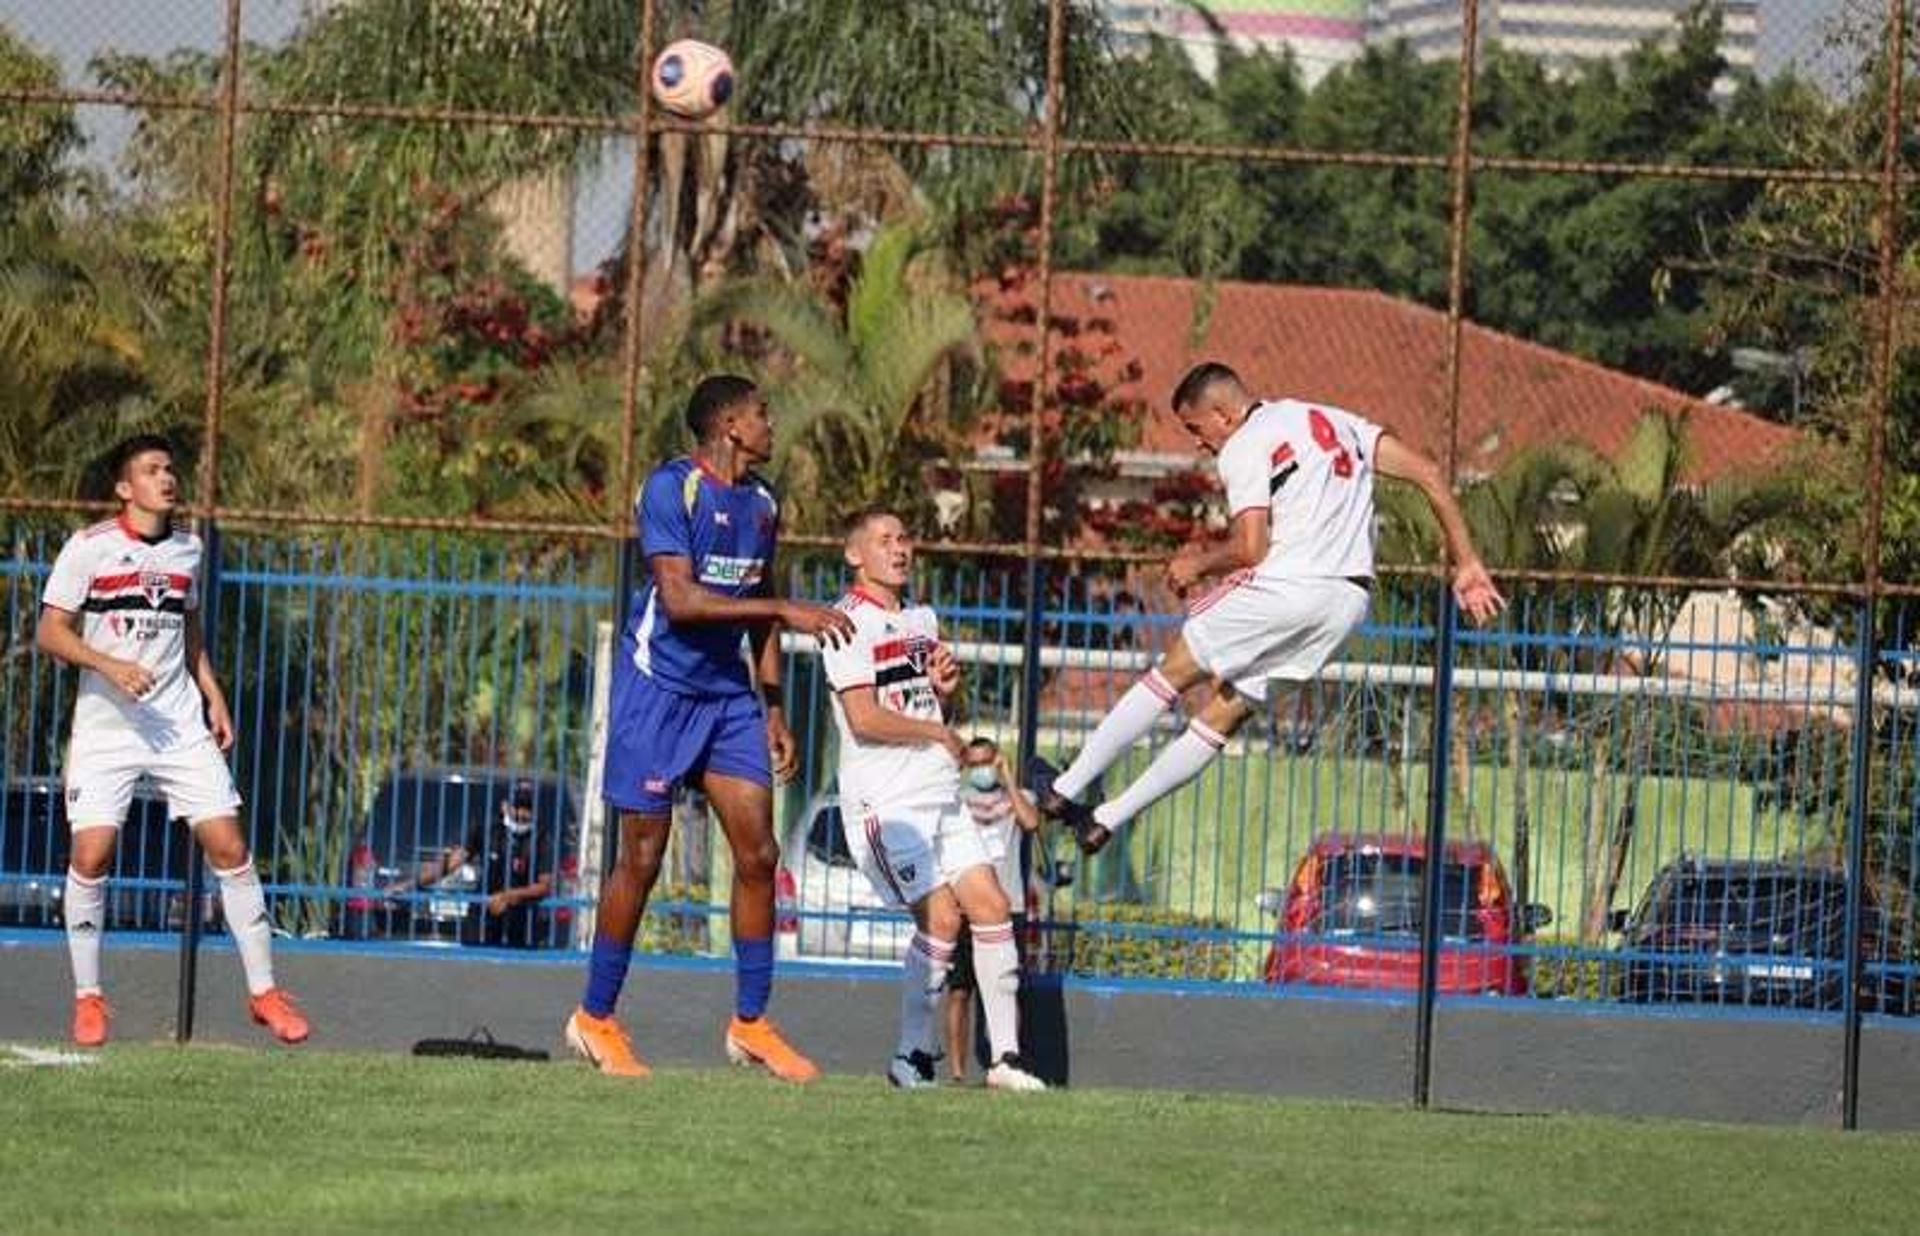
(145, 892)
(420, 814)
(1352, 917)
(1767, 934)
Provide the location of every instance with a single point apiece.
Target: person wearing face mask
(514, 857)
(1002, 812)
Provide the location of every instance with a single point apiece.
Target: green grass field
(155, 1139)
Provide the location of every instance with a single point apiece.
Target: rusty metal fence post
(1860, 801)
(1448, 614)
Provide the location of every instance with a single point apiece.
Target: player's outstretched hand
(825, 623)
(130, 676)
(1473, 589)
(943, 670)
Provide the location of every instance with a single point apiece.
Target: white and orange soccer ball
(692, 79)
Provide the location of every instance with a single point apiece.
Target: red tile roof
(1384, 358)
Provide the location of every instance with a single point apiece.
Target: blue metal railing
(1638, 764)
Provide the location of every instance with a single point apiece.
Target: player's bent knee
(756, 863)
(92, 854)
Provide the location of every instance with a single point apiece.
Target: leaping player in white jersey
(122, 605)
(900, 800)
(1291, 579)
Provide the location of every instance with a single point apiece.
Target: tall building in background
(1558, 31)
(1319, 33)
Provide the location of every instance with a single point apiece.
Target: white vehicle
(827, 910)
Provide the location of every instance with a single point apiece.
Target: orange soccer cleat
(760, 1042)
(275, 1009)
(603, 1043)
(90, 1018)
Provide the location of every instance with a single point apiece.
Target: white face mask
(983, 777)
(517, 827)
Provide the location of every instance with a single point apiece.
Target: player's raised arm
(1244, 547)
(687, 603)
(1472, 586)
(872, 723)
(58, 635)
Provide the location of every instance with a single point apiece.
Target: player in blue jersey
(696, 699)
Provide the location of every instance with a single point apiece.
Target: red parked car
(1351, 918)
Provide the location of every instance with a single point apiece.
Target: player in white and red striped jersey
(1290, 580)
(900, 800)
(122, 605)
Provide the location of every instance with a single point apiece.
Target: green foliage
(1147, 953)
(678, 933)
(854, 385)
(35, 139)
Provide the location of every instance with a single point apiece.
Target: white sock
(928, 961)
(996, 966)
(1180, 763)
(247, 923)
(1132, 719)
(84, 905)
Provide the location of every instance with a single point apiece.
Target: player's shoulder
(93, 532)
(759, 484)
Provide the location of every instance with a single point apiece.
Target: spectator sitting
(515, 861)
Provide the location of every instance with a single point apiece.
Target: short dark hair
(981, 740)
(716, 394)
(127, 450)
(864, 516)
(1198, 379)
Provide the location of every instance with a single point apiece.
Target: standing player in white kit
(900, 799)
(1295, 573)
(122, 605)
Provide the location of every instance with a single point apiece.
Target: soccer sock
(1129, 721)
(606, 975)
(924, 977)
(996, 965)
(85, 907)
(1180, 763)
(246, 909)
(752, 976)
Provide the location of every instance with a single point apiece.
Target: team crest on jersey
(722, 520)
(153, 586)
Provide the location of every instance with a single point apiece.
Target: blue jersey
(727, 532)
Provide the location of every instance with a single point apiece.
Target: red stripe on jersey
(1282, 453)
(861, 594)
(898, 647)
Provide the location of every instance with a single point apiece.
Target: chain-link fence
(420, 289)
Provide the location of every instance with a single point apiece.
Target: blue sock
(606, 975)
(752, 976)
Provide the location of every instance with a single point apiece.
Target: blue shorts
(657, 740)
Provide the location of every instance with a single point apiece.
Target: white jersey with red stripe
(1311, 466)
(889, 652)
(135, 598)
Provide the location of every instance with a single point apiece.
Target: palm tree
(1567, 508)
(852, 386)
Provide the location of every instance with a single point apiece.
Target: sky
(77, 30)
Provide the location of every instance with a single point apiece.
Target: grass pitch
(154, 1139)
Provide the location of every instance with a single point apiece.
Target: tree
(852, 384)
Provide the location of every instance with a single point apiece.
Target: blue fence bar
(1626, 774)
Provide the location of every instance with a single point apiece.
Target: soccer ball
(692, 79)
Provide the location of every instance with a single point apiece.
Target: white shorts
(1250, 629)
(100, 780)
(907, 852)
